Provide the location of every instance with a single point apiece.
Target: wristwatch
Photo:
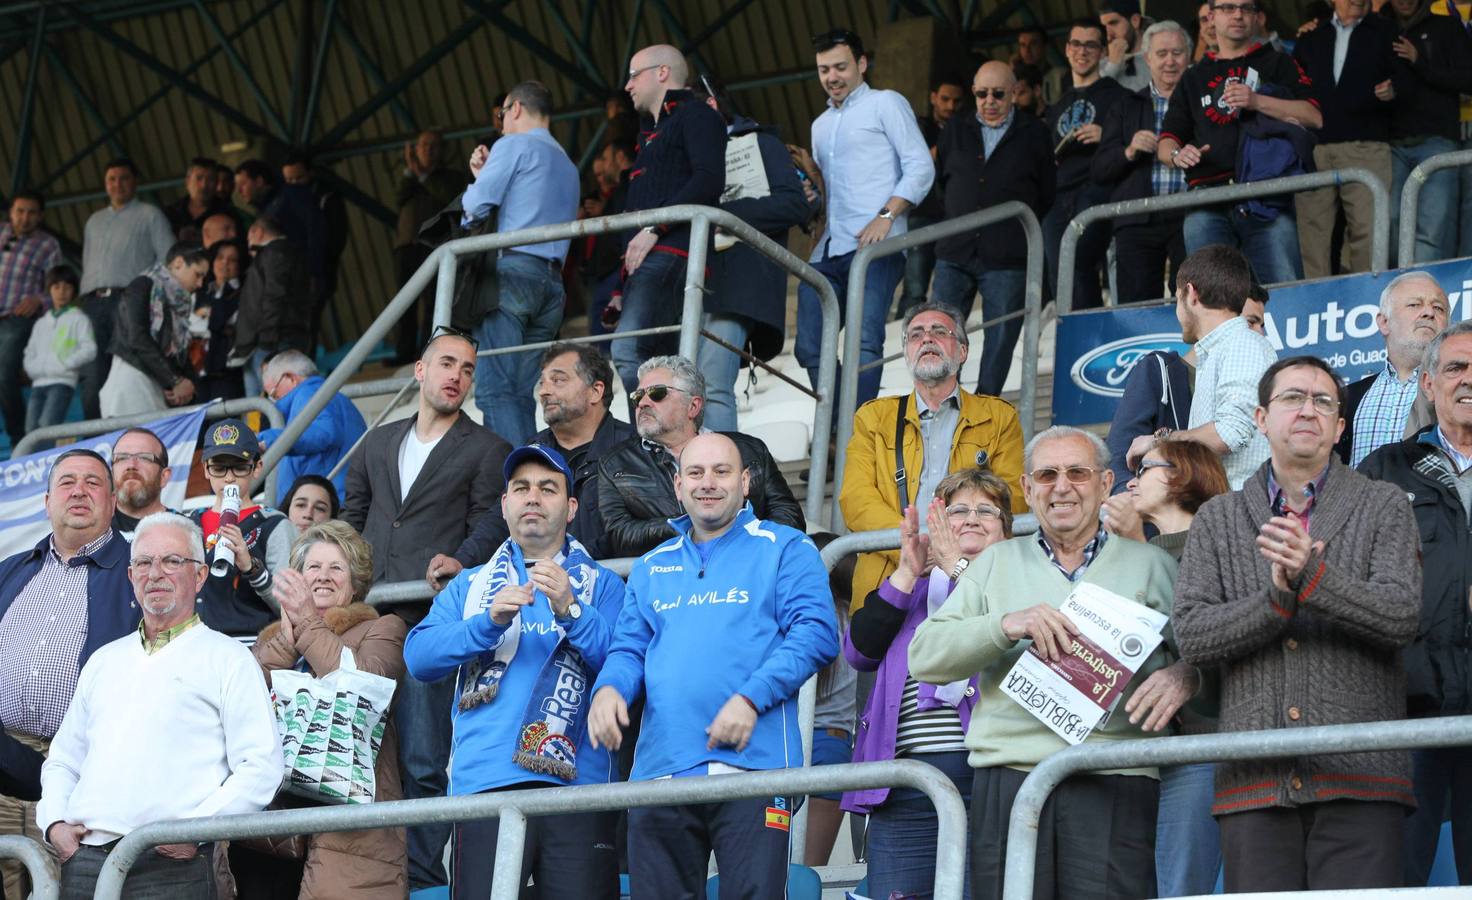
(574, 612)
(887, 214)
(1173, 154)
(960, 567)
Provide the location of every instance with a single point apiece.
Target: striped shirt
(1381, 416)
(1230, 361)
(41, 638)
(1164, 179)
(23, 265)
(926, 730)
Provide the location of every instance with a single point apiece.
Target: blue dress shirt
(530, 179)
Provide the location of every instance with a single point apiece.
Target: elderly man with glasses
(170, 721)
(1097, 834)
(1303, 589)
(636, 479)
(903, 446)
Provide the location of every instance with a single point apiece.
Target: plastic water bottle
(224, 556)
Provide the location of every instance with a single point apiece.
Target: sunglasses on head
(451, 331)
(833, 38)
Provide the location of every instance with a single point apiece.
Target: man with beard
(1382, 407)
(140, 469)
(1123, 59)
(636, 480)
(940, 428)
(576, 391)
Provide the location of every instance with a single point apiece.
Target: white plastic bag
(331, 730)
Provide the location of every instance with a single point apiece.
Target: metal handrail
(442, 262)
(1213, 196)
(1410, 198)
(215, 409)
(848, 391)
(1027, 807)
(513, 808)
(40, 865)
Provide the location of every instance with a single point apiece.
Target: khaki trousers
(19, 817)
(1318, 209)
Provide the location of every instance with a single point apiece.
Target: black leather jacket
(636, 493)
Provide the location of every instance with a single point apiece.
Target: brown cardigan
(1327, 654)
(348, 865)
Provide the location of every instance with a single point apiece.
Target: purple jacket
(879, 638)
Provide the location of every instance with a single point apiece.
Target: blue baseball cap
(231, 437)
(537, 453)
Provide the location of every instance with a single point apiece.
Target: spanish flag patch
(779, 819)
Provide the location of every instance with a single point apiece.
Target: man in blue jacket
(760, 591)
(59, 601)
(291, 380)
(527, 632)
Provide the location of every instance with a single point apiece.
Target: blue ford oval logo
(1104, 370)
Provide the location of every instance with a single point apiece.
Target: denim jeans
(153, 877)
(101, 312)
(884, 277)
(422, 715)
(48, 405)
(530, 311)
(919, 266)
(1443, 778)
(1436, 235)
(1002, 291)
(721, 368)
(1464, 205)
(251, 373)
(1271, 247)
(1188, 849)
(652, 298)
(902, 833)
(14, 332)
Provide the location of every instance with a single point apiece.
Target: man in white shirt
(171, 722)
(875, 167)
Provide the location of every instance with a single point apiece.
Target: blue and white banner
(1333, 318)
(23, 519)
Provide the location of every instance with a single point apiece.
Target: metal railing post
(693, 312)
(1027, 806)
(506, 884)
(1410, 199)
(444, 290)
(858, 275)
(1379, 231)
(40, 866)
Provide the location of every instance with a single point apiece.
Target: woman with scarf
(150, 340)
(323, 613)
(971, 511)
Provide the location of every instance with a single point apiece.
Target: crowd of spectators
(1305, 540)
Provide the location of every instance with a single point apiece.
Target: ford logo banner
(1103, 371)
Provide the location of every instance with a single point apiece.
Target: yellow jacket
(868, 497)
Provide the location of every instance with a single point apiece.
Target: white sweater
(186, 732)
(60, 344)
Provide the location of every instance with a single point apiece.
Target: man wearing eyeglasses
(172, 721)
(1302, 589)
(60, 601)
(986, 157)
(1097, 835)
(945, 429)
(140, 469)
(26, 254)
(239, 602)
(1202, 131)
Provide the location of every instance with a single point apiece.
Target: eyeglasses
(1074, 474)
(960, 512)
(118, 458)
(506, 109)
(220, 470)
(171, 564)
(635, 73)
(1245, 9)
(655, 392)
(994, 93)
(1148, 464)
(1324, 404)
(1091, 46)
(938, 332)
(451, 331)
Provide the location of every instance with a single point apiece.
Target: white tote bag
(331, 730)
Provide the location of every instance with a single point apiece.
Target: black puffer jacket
(636, 493)
(1439, 661)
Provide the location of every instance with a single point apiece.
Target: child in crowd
(61, 343)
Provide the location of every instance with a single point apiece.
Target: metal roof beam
(710, 30)
(672, 22)
(59, 66)
(579, 46)
(370, 68)
(324, 43)
(21, 171)
(103, 12)
(241, 69)
(541, 51)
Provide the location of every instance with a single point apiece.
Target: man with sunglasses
(1302, 589)
(140, 469)
(60, 601)
(239, 602)
(1097, 835)
(875, 167)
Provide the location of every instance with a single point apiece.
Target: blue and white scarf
(556, 713)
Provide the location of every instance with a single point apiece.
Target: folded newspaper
(1075, 694)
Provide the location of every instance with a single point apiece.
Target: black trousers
(418, 320)
(669, 847)
(567, 856)
(1141, 253)
(1443, 790)
(1096, 838)
(1335, 845)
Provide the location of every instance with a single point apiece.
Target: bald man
(681, 159)
(989, 157)
(763, 586)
